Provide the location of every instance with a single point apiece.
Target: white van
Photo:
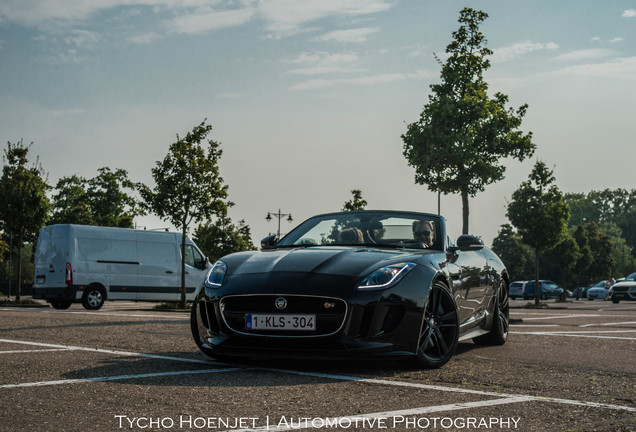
(89, 264)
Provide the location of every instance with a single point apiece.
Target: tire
(94, 297)
(439, 333)
(615, 301)
(61, 304)
(501, 319)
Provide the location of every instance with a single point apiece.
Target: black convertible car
(349, 284)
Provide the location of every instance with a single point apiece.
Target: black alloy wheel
(440, 329)
(501, 319)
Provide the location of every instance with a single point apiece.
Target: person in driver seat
(350, 236)
(424, 232)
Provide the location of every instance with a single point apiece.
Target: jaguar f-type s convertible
(352, 284)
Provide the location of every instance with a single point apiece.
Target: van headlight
(386, 277)
(216, 275)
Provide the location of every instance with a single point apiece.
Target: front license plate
(280, 322)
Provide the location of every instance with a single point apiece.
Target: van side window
(193, 256)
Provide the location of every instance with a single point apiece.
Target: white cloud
(588, 54)
(320, 63)
(360, 81)
(616, 39)
(205, 20)
(358, 35)
(509, 52)
(287, 17)
(629, 13)
(619, 68)
(145, 38)
(81, 38)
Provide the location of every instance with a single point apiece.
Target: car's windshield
(631, 277)
(370, 228)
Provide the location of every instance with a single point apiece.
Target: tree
(188, 186)
(24, 206)
(539, 214)
(515, 255)
(70, 203)
(356, 203)
(462, 134)
(223, 237)
(110, 203)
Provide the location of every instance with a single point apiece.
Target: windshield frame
(363, 219)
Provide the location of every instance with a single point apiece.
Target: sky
(309, 98)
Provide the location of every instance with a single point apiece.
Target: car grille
(330, 313)
(622, 289)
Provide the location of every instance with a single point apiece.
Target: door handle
(169, 271)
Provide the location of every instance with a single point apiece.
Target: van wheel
(93, 297)
(61, 304)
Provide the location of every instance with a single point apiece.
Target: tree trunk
(19, 270)
(183, 267)
(465, 212)
(537, 288)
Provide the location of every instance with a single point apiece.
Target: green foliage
(516, 256)
(539, 214)
(188, 185)
(223, 238)
(356, 203)
(537, 210)
(462, 134)
(104, 200)
(24, 206)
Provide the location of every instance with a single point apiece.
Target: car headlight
(386, 277)
(216, 275)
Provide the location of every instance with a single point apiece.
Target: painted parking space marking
(99, 313)
(609, 324)
(118, 377)
(115, 352)
(33, 351)
(371, 419)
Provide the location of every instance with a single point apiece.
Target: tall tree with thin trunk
(188, 186)
(539, 213)
(24, 206)
(462, 134)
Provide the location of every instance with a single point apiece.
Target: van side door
(158, 267)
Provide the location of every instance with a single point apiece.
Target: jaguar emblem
(280, 303)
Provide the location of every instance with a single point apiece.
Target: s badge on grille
(280, 303)
(329, 305)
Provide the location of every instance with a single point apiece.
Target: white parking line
(502, 398)
(609, 324)
(104, 351)
(368, 420)
(33, 351)
(574, 334)
(117, 377)
(176, 316)
(560, 317)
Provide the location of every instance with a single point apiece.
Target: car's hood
(344, 261)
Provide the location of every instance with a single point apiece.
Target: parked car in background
(597, 291)
(547, 289)
(516, 289)
(581, 292)
(624, 290)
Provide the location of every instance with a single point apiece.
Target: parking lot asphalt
(568, 367)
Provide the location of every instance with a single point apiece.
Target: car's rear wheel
(94, 297)
(61, 304)
(501, 319)
(440, 329)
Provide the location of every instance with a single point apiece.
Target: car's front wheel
(440, 329)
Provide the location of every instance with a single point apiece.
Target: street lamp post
(279, 215)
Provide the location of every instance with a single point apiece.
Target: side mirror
(467, 242)
(269, 242)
